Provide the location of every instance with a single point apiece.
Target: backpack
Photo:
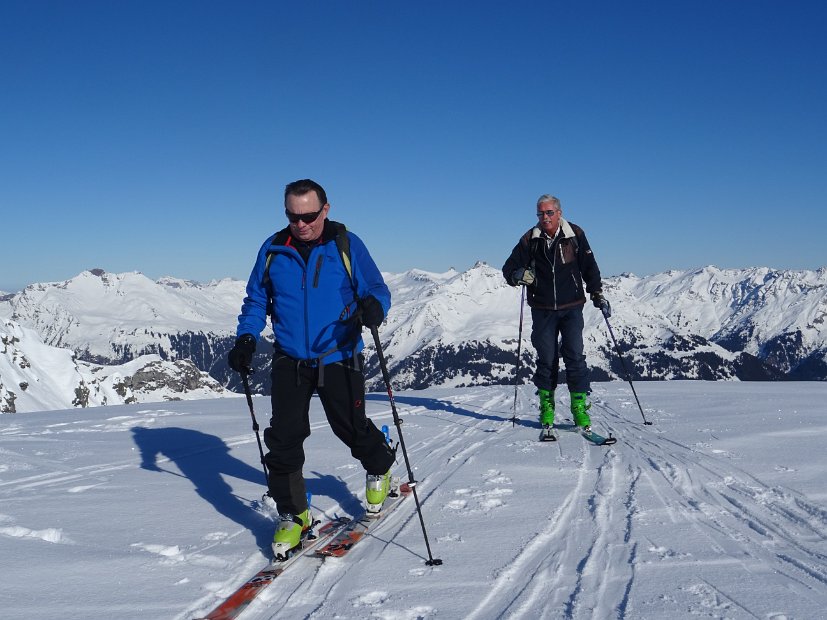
(342, 245)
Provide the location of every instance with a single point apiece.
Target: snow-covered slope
(718, 510)
(35, 376)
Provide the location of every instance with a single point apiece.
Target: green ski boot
(289, 533)
(579, 407)
(546, 407)
(376, 491)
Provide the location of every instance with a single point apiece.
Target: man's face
(307, 205)
(548, 215)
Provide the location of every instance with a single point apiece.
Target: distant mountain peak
(455, 328)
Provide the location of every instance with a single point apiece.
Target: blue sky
(158, 136)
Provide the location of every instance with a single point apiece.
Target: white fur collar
(568, 231)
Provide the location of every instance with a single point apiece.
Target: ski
(249, 590)
(547, 433)
(597, 439)
(356, 530)
(588, 434)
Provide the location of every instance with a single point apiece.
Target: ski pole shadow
(434, 404)
(204, 460)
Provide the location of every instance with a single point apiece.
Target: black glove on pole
(240, 357)
(372, 312)
(411, 482)
(601, 303)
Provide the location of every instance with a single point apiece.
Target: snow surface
(718, 510)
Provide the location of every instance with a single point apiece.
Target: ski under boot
(290, 532)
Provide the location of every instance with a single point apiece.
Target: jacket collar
(565, 228)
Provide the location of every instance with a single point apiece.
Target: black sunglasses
(307, 218)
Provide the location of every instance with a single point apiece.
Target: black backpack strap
(343, 246)
(280, 238)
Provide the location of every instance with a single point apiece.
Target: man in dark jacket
(553, 260)
(318, 284)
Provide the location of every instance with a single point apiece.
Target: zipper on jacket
(306, 316)
(553, 261)
(319, 262)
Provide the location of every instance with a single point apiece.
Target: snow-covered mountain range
(445, 329)
(35, 377)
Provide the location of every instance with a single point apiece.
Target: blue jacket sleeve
(253, 317)
(366, 275)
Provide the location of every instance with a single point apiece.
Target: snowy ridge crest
(456, 328)
(36, 377)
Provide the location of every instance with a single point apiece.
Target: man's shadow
(335, 488)
(204, 460)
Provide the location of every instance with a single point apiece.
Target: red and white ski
(249, 590)
(344, 540)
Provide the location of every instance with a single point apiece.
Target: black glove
(240, 357)
(523, 276)
(601, 303)
(371, 311)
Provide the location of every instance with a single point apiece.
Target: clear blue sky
(158, 136)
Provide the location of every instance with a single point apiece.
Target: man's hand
(371, 311)
(601, 303)
(524, 276)
(240, 357)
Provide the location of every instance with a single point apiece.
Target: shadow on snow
(434, 404)
(205, 460)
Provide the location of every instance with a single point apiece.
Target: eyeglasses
(549, 213)
(307, 218)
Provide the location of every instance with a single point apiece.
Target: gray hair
(549, 198)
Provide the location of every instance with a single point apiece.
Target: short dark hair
(301, 187)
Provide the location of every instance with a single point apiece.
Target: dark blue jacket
(311, 301)
(561, 267)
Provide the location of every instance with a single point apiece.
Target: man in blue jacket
(318, 285)
(553, 260)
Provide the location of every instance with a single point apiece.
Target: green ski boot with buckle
(579, 407)
(377, 488)
(546, 407)
(290, 533)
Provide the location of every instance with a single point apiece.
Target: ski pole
(249, 395)
(519, 347)
(623, 363)
(411, 482)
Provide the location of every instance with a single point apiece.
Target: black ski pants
(545, 327)
(343, 398)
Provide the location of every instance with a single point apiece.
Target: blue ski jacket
(309, 302)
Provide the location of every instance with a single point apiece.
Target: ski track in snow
(568, 566)
(582, 556)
